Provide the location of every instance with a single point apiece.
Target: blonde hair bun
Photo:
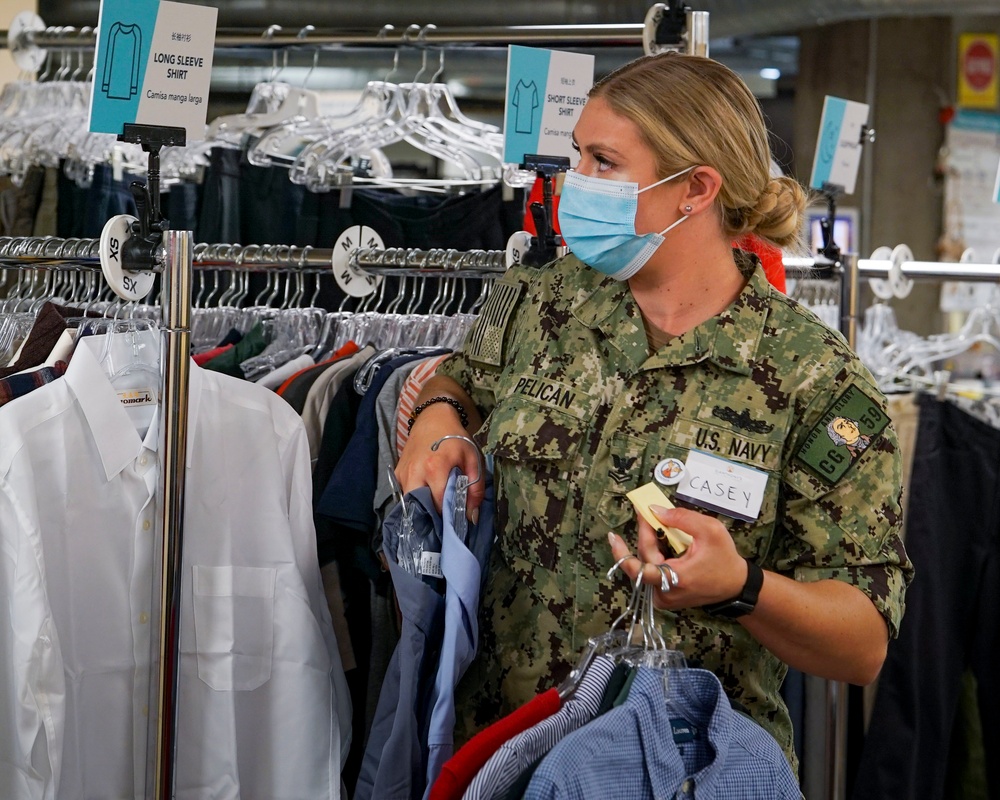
(778, 213)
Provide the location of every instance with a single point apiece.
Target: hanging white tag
(430, 564)
(723, 486)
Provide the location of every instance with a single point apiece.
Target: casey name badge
(723, 486)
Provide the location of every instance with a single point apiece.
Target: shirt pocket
(234, 626)
(536, 448)
(752, 538)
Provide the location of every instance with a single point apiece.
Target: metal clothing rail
(175, 261)
(659, 31)
(62, 38)
(75, 254)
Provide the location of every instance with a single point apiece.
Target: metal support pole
(849, 288)
(174, 377)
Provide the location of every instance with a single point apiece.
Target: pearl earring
(688, 209)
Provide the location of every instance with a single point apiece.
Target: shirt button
(143, 617)
(143, 461)
(146, 525)
(145, 711)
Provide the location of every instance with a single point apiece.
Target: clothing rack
(174, 266)
(849, 270)
(178, 259)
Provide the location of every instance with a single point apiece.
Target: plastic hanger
(462, 484)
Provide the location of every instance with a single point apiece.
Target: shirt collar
(730, 339)
(697, 696)
(116, 438)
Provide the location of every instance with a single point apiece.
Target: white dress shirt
(264, 710)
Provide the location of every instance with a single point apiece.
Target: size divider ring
(353, 281)
(127, 285)
(518, 245)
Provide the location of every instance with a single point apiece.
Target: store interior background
(900, 56)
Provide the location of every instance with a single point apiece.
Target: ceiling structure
(728, 17)
(754, 37)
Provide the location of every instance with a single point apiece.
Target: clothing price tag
(153, 65)
(430, 564)
(723, 486)
(546, 90)
(838, 151)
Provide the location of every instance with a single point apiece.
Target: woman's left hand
(709, 571)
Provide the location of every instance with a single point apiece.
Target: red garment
(537, 196)
(202, 358)
(461, 768)
(348, 349)
(770, 259)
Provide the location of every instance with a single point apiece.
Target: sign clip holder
(546, 243)
(139, 250)
(831, 191)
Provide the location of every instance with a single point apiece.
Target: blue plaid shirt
(692, 745)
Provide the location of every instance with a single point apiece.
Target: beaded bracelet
(463, 416)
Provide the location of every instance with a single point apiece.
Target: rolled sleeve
(849, 530)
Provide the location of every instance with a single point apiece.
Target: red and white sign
(977, 70)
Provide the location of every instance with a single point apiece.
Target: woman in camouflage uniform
(583, 376)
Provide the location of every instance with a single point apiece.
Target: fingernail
(611, 538)
(474, 516)
(659, 510)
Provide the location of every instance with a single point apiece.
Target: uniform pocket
(537, 447)
(234, 626)
(752, 538)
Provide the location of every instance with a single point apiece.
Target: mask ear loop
(668, 178)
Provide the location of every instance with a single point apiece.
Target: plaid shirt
(19, 385)
(687, 742)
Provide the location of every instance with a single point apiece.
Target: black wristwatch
(745, 601)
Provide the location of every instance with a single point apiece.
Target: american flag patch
(486, 342)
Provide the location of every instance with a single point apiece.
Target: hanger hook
(421, 42)
(479, 452)
(423, 64)
(395, 66)
(269, 35)
(440, 69)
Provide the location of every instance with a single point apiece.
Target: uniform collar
(730, 339)
(116, 438)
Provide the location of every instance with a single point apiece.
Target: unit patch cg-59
(847, 428)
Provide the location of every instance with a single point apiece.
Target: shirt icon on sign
(525, 101)
(121, 64)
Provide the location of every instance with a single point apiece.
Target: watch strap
(746, 601)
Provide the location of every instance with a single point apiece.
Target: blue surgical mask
(597, 222)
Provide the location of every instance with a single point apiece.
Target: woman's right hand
(419, 465)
